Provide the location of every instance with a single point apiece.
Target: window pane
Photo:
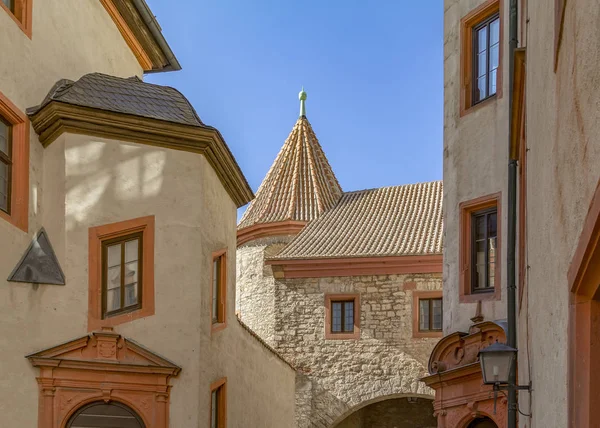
(349, 316)
(481, 88)
(480, 227)
(336, 318)
(437, 314)
(495, 31)
(113, 299)
(482, 64)
(424, 314)
(131, 272)
(481, 39)
(3, 186)
(494, 56)
(492, 261)
(131, 297)
(493, 76)
(492, 224)
(131, 250)
(4, 137)
(215, 288)
(113, 277)
(114, 255)
(479, 280)
(214, 414)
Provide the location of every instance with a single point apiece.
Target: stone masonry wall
(255, 297)
(385, 361)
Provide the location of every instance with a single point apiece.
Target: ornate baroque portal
(98, 369)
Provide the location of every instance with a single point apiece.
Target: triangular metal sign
(39, 264)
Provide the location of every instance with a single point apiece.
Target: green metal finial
(302, 97)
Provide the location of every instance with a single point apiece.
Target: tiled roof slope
(124, 95)
(300, 184)
(389, 221)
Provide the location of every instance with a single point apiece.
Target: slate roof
(389, 221)
(300, 184)
(124, 95)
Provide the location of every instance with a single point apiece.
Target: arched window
(482, 423)
(100, 414)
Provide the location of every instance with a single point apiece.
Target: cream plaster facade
(475, 165)
(79, 182)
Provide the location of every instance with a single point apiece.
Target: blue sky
(373, 72)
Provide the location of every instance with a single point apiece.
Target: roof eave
(55, 118)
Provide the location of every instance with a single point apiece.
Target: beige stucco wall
(91, 182)
(563, 165)
(475, 165)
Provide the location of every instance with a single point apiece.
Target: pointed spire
(300, 185)
(302, 98)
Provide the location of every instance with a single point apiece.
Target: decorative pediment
(460, 349)
(103, 349)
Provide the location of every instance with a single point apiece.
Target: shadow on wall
(318, 407)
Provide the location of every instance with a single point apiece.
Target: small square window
(218, 409)
(430, 314)
(121, 274)
(342, 316)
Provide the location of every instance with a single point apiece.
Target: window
(20, 12)
(5, 164)
(14, 165)
(481, 55)
(121, 274)
(219, 290)
(427, 313)
(430, 314)
(486, 49)
(218, 404)
(484, 231)
(479, 249)
(342, 315)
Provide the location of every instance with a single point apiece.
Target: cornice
(263, 230)
(355, 266)
(57, 118)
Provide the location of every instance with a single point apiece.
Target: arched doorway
(482, 423)
(414, 412)
(109, 415)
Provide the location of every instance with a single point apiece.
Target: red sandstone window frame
(418, 295)
(18, 214)
(467, 209)
(100, 234)
(21, 14)
(219, 320)
(220, 386)
(329, 334)
(467, 24)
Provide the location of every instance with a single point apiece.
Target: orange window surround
(218, 404)
(329, 299)
(18, 214)
(218, 291)
(100, 234)
(466, 209)
(20, 12)
(467, 24)
(416, 296)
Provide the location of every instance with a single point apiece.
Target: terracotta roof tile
(300, 184)
(389, 221)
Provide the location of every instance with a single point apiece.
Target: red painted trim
(416, 296)
(221, 322)
(263, 230)
(353, 266)
(329, 335)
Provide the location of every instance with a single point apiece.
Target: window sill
(484, 297)
(427, 334)
(218, 326)
(481, 104)
(342, 336)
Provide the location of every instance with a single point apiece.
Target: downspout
(512, 221)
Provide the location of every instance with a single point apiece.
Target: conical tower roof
(300, 185)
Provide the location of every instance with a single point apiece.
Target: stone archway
(99, 413)
(393, 411)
